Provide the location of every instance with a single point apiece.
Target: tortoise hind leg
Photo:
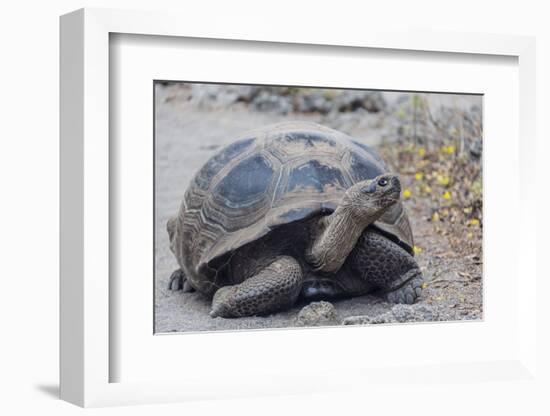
(178, 281)
(275, 287)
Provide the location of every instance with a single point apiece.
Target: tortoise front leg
(275, 287)
(387, 266)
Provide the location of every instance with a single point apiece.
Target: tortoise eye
(383, 182)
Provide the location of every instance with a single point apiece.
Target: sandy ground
(187, 136)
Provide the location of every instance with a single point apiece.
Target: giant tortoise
(293, 210)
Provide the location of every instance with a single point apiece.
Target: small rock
(414, 313)
(267, 101)
(358, 320)
(317, 314)
(398, 313)
(213, 96)
(311, 102)
(476, 147)
(351, 100)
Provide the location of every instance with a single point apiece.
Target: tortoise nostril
(396, 184)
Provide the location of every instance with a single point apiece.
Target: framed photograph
(281, 213)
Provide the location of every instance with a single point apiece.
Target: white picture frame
(86, 354)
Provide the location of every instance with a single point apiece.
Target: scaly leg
(274, 288)
(388, 267)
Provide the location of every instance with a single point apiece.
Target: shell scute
(247, 183)
(219, 161)
(316, 176)
(362, 166)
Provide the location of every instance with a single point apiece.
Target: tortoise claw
(408, 293)
(178, 281)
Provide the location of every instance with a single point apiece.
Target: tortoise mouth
(392, 198)
(389, 200)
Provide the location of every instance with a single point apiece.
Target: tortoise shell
(273, 176)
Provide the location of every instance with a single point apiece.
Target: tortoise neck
(336, 237)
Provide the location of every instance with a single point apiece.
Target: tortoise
(293, 210)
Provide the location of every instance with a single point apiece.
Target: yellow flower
(446, 195)
(417, 250)
(407, 193)
(467, 210)
(473, 221)
(421, 152)
(448, 149)
(435, 217)
(418, 176)
(443, 180)
(470, 235)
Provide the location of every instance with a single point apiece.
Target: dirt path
(186, 138)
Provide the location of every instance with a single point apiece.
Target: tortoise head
(369, 199)
(362, 204)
